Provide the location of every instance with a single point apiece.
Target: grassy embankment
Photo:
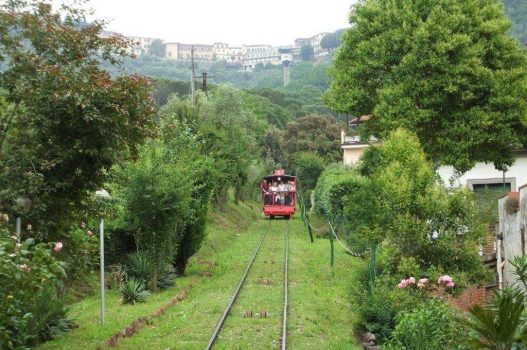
(320, 316)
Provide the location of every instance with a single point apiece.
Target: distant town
(247, 56)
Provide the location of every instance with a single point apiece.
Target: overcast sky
(275, 22)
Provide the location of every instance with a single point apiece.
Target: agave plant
(133, 291)
(503, 324)
(141, 268)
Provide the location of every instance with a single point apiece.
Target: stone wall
(511, 232)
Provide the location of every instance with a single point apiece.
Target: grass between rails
(320, 316)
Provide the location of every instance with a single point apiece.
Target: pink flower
(25, 268)
(444, 279)
(450, 285)
(58, 246)
(422, 283)
(411, 280)
(402, 284)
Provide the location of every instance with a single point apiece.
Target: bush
(308, 167)
(377, 310)
(429, 326)
(49, 316)
(30, 276)
(336, 182)
(134, 291)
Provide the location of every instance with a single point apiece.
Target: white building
(172, 50)
(140, 45)
(313, 41)
(223, 52)
(481, 176)
(260, 54)
(484, 175)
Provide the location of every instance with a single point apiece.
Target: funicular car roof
(282, 177)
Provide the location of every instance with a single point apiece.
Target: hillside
(517, 12)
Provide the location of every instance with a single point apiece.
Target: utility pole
(192, 77)
(204, 77)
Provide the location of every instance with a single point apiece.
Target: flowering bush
(444, 282)
(28, 271)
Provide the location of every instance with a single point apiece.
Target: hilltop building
(314, 42)
(260, 54)
(179, 51)
(247, 56)
(140, 45)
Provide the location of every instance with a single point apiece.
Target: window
(494, 187)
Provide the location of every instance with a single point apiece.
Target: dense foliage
(445, 69)
(411, 227)
(30, 275)
(65, 120)
(320, 135)
(429, 326)
(333, 185)
(419, 220)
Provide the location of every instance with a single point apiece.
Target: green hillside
(517, 12)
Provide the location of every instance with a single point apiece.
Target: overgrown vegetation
(410, 226)
(447, 70)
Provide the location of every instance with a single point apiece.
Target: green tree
(68, 122)
(155, 192)
(157, 48)
(445, 69)
(307, 53)
(320, 135)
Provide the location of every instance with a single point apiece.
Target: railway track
(214, 337)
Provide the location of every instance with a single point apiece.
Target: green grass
(320, 316)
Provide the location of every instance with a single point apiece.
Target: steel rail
(286, 284)
(237, 291)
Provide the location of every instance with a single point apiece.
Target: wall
(352, 153)
(517, 172)
(512, 231)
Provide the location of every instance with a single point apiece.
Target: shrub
(377, 310)
(308, 167)
(429, 326)
(32, 311)
(49, 316)
(134, 291)
(334, 183)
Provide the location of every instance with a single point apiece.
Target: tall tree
(445, 69)
(316, 134)
(70, 121)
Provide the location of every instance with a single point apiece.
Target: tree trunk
(180, 264)
(155, 274)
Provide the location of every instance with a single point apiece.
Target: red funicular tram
(279, 194)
